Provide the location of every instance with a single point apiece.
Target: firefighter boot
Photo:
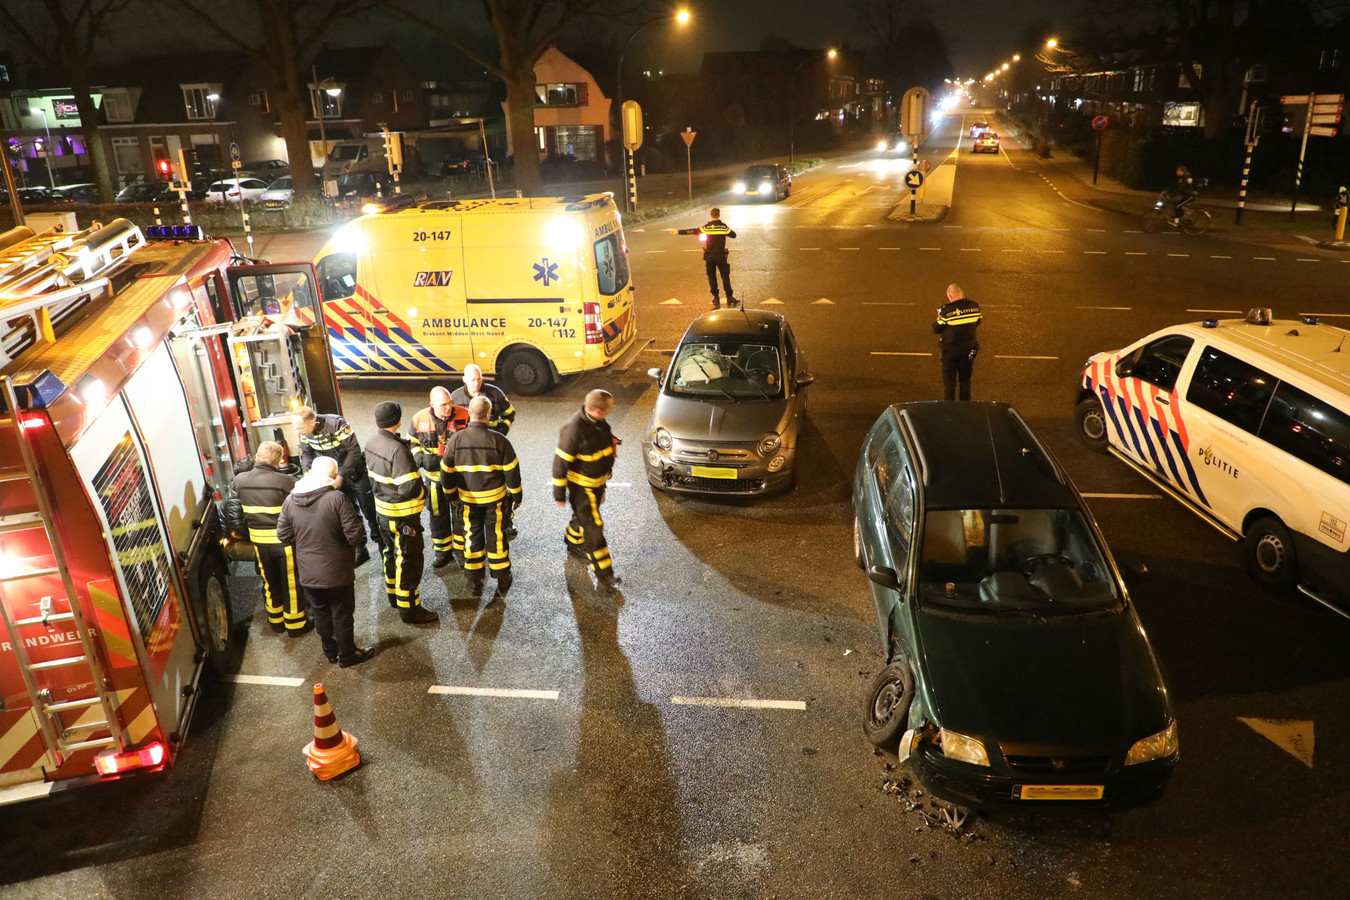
(362, 555)
(417, 615)
(442, 559)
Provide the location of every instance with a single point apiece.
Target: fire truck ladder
(61, 739)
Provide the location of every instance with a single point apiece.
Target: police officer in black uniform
(431, 428)
(955, 327)
(582, 464)
(714, 236)
(331, 436)
(500, 420)
(262, 490)
(399, 500)
(480, 469)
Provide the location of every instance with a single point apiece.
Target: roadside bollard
(1342, 202)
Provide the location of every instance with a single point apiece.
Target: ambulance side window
(337, 276)
(1231, 389)
(611, 265)
(1305, 427)
(1159, 363)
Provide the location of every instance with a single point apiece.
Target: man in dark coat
(324, 529)
(331, 436)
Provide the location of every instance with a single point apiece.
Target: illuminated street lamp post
(329, 89)
(682, 17)
(51, 179)
(792, 104)
(211, 100)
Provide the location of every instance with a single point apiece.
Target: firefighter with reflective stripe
(713, 236)
(955, 327)
(331, 436)
(431, 428)
(399, 500)
(502, 417)
(261, 491)
(481, 471)
(582, 463)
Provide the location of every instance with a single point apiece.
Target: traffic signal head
(164, 167)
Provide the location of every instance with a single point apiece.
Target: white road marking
(1216, 256)
(1135, 253)
(1264, 258)
(808, 248)
(491, 692)
(265, 679)
(1095, 252)
(1123, 496)
(971, 249)
(1102, 307)
(671, 302)
(930, 248)
(1102, 230)
(740, 704)
(897, 353)
(1059, 229)
(693, 251)
(1301, 259)
(772, 301)
(1326, 315)
(1132, 231)
(1001, 356)
(655, 251)
(1178, 254)
(1293, 736)
(1052, 251)
(823, 300)
(897, 248)
(848, 248)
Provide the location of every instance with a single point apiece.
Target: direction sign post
(1099, 124)
(689, 134)
(913, 181)
(631, 115)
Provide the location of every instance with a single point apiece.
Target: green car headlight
(1158, 746)
(963, 747)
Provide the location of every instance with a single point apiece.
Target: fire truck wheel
(216, 620)
(526, 372)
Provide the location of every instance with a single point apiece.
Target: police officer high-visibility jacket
(332, 436)
(262, 490)
(713, 236)
(503, 414)
(584, 456)
(429, 434)
(480, 467)
(956, 324)
(394, 475)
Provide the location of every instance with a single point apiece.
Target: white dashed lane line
(520, 694)
(897, 353)
(1104, 307)
(276, 680)
(799, 705)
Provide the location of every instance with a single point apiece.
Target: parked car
(462, 162)
(228, 190)
(978, 128)
(278, 194)
(764, 181)
(33, 195)
(267, 169)
(1017, 672)
(73, 193)
(730, 409)
(985, 142)
(145, 192)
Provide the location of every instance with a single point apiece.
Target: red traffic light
(165, 167)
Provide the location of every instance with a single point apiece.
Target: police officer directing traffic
(502, 417)
(399, 500)
(262, 490)
(714, 236)
(331, 436)
(955, 327)
(582, 464)
(430, 430)
(481, 471)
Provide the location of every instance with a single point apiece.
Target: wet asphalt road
(614, 787)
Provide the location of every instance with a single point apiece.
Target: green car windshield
(727, 369)
(1042, 561)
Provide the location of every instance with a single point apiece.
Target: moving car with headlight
(1017, 672)
(730, 409)
(893, 145)
(985, 142)
(764, 182)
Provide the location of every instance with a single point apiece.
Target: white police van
(1247, 422)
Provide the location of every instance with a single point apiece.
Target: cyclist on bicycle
(1186, 189)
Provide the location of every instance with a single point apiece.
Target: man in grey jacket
(325, 530)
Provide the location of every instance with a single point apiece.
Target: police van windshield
(728, 369)
(611, 265)
(1043, 561)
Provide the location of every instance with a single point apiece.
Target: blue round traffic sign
(913, 179)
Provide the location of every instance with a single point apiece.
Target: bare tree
(66, 33)
(280, 37)
(907, 47)
(524, 29)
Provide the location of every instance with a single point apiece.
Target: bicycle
(1193, 219)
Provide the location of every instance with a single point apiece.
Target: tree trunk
(520, 122)
(290, 96)
(89, 125)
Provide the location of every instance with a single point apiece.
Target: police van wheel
(886, 710)
(1091, 420)
(1270, 555)
(525, 372)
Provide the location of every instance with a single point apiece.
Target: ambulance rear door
(417, 319)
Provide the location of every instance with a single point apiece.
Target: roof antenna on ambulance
(1340, 345)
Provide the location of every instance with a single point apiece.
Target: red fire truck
(135, 369)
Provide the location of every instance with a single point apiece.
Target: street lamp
(792, 103)
(51, 179)
(329, 88)
(215, 141)
(681, 17)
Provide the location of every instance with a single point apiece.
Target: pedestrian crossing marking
(1294, 736)
(772, 301)
(671, 302)
(822, 300)
(520, 694)
(265, 679)
(738, 703)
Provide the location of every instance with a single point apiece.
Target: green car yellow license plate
(712, 472)
(1057, 792)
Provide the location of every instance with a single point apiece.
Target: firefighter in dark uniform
(431, 428)
(502, 417)
(480, 469)
(331, 436)
(713, 236)
(582, 463)
(399, 500)
(261, 491)
(955, 327)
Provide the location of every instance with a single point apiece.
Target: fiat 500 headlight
(1158, 746)
(769, 443)
(663, 440)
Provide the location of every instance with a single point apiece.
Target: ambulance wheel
(1270, 555)
(526, 372)
(216, 620)
(1091, 419)
(886, 710)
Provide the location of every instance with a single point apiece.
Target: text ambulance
(1247, 422)
(133, 374)
(529, 289)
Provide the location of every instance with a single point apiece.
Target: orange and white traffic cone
(333, 751)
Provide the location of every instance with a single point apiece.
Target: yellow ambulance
(529, 289)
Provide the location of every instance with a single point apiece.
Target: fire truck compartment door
(111, 460)
(289, 293)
